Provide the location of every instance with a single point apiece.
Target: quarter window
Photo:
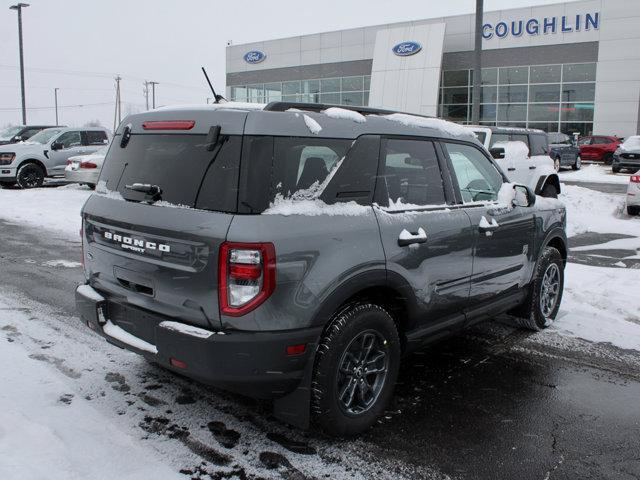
(478, 180)
(96, 137)
(411, 175)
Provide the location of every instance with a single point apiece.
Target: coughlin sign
(546, 25)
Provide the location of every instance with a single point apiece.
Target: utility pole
(118, 112)
(55, 96)
(153, 94)
(477, 65)
(19, 8)
(146, 93)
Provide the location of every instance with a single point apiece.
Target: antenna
(215, 95)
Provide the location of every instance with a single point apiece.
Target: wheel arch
(545, 180)
(32, 160)
(558, 240)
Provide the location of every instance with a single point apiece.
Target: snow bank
(313, 126)
(594, 173)
(53, 209)
(443, 126)
(344, 114)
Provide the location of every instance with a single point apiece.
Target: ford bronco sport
(295, 252)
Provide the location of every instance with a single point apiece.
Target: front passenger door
(503, 234)
(427, 245)
(70, 145)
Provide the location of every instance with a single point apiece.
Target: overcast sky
(79, 46)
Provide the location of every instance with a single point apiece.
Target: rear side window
(188, 174)
(410, 174)
(539, 145)
(287, 168)
(69, 139)
(94, 137)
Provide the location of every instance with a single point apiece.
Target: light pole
(153, 94)
(55, 96)
(477, 65)
(19, 8)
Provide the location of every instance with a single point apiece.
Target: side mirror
(497, 152)
(17, 138)
(56, 146)
(524, 196)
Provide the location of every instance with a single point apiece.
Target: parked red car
(598, 148)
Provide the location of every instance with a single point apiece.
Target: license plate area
(134, 320)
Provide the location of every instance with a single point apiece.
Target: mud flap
(295, 408)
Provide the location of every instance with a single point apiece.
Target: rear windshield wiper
(153, 191)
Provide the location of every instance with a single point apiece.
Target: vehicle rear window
(286, 168)
(188, 174)
(539, 145)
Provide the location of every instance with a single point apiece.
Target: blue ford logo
(405, 49)
(254, 56)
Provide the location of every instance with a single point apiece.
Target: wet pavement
(490, 403)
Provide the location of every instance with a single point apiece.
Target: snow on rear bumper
(251, 363)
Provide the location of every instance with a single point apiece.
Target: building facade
(569, 67)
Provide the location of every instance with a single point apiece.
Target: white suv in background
(528, 164)
(46, 153)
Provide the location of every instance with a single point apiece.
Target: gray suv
(297, 252)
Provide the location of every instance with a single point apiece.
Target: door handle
(409, 238)
(488, 227)
(532, 167)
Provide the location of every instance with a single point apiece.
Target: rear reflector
(635, 178)
(296, 349)
(177, 363)
(169, 125)
(245, 272)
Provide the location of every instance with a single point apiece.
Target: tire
(92, 186)
(578, 164)
(341, 367)
(615, 169)
(549, 191)
(532, 315)
(633, 210)
(30, 175)
(607, 158)
(556, 164)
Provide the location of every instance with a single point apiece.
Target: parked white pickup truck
(523, 154)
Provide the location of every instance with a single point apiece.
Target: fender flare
(555, 232)
(545, 180)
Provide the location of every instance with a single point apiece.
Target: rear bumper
(82, 176)
(250, 363)
(626, 163)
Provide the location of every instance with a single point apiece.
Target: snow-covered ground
(594, 173)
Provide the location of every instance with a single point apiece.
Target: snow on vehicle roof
(345, 114)
(443, 126)
(214, 106)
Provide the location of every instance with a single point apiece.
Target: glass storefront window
(510, 75)
(488, 112)
(367, 82)
(579, 72)
(489, 95)
(291, 98)
(512, 94)
(489, 76)
(330, 85)
(455, 78)
(583, 129)
(545, 73)
(239, 94)
(255, 93)
(578, 92)
(577, 112)
(330, 98)
(546, 126)
(544, 93)
(290, 88)
(455, 95)
(352, 98)
(273, 92)
(457, 113)
(310, 86)
(352, 84)
(544, 112)
(512, 113)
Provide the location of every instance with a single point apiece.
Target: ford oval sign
(254, 56)
(405, 49)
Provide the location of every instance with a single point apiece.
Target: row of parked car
(29, 154)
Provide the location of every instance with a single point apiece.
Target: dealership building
(569, 67)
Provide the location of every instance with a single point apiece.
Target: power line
(80, 105)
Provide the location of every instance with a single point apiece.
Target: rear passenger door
(427, 245)
(503, 236)
(71, 145)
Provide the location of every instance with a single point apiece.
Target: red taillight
(88, 165)
(635, 178)
(69, 162)
(169, 125)
(296, 349)
(177, 363)
(246, 276)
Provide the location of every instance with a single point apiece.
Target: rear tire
(30, 175)
(607, 158)
(578, 164)
(556, 164)
(355, 370)
(549, 191)
(615, 169)
(545, 292)
(633, 210)
(92, 186)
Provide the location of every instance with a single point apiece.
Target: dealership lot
(513, 398)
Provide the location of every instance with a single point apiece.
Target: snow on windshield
(44, 136)
(9, 133)
(631, 143)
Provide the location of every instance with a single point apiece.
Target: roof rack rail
(319, 107)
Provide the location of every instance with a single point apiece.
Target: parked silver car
(46, 153)
(85, 169)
